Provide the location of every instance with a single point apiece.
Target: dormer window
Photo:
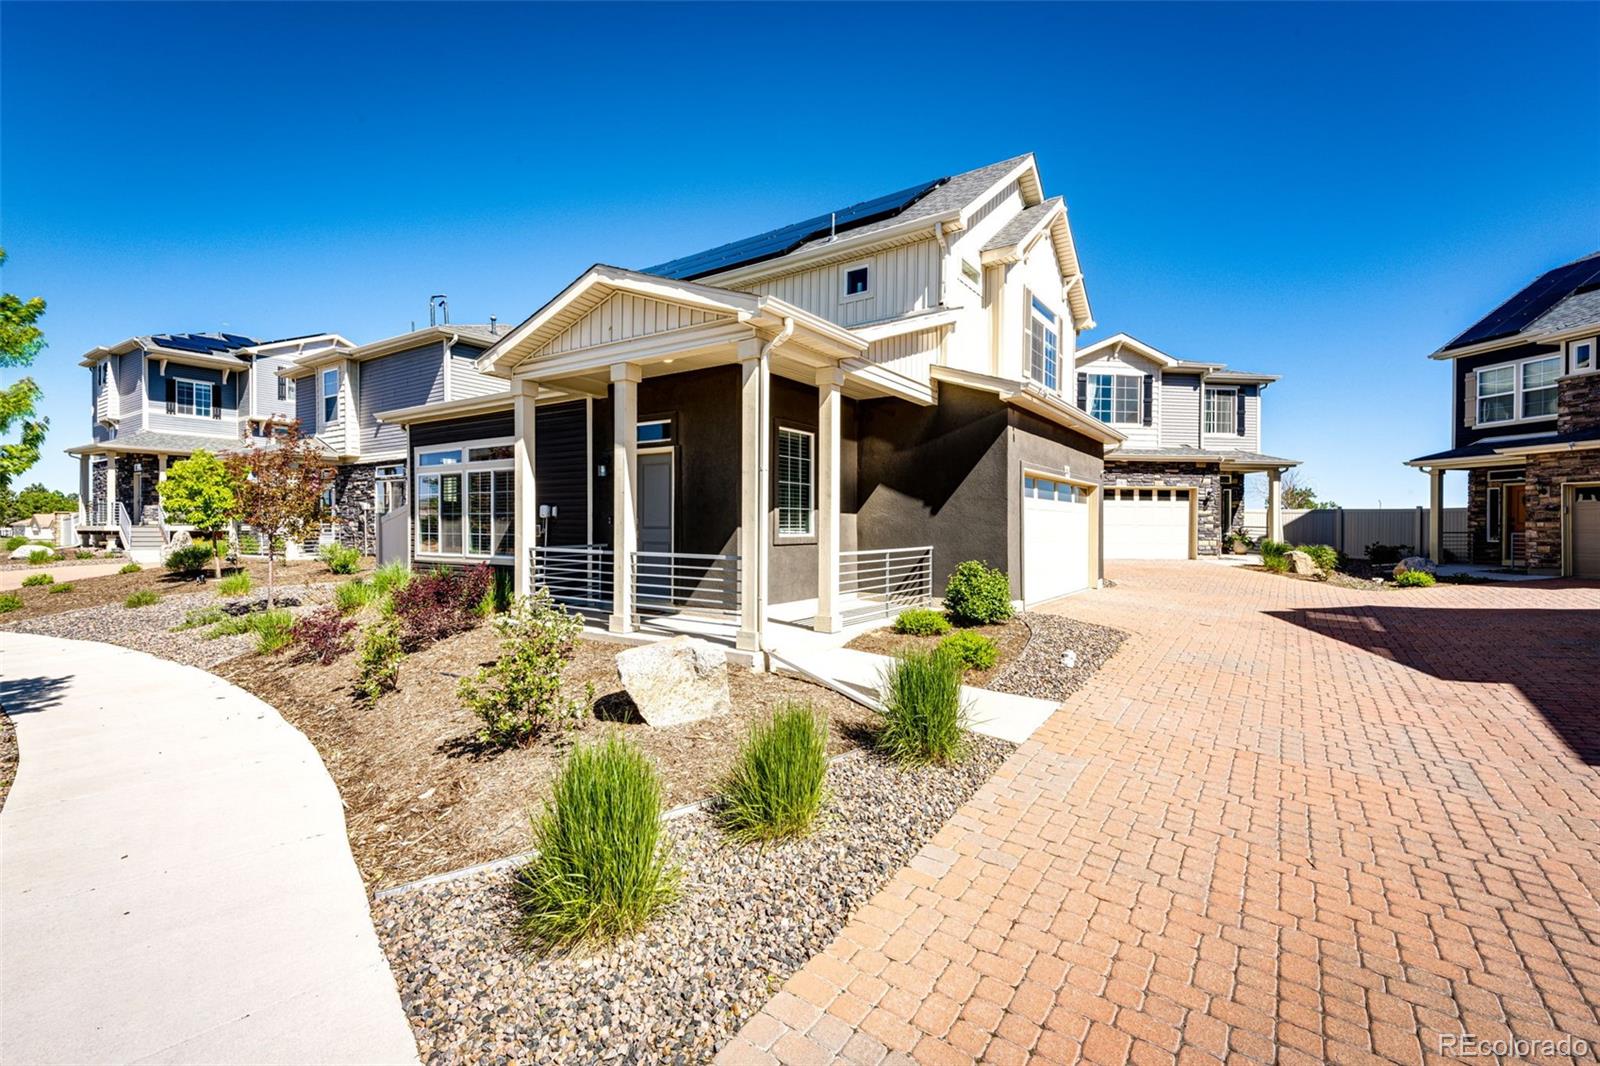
(857, 282)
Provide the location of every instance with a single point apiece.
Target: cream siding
(910, 354)
(904, 279)
(465, 380)
(625, 317)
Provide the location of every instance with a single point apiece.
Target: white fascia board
(1122, 340)
(1537, 449)
(843, 341)
(887, 382)
(1015, 251)
(1026, 172)
(94, 355)
(215, 362)
(1032, 398)
(912, 323)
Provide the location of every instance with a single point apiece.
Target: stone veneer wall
(152, 473)
(1545, 478)
(1478, 518)
(1205, 477)
(355, 526)
(1230, 522)
(1578, 402)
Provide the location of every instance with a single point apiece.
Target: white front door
(1147, 523)
(1055, 539)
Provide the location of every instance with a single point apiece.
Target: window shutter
(1241, 412)
(1149, 397)
(172, 397)
(1470, 393)
(1083, 392)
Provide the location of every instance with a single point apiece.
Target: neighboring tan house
(809, 424)
(338, 392)
(157, 399)
(1525, 407)
(1175, 486)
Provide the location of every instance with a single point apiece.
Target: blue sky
(1323, 192)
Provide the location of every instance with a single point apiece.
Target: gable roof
(1218, 372)
(1521, 313)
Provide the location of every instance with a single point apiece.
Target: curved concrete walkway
(175, 882)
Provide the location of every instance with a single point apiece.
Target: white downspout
(944, 263)
(449, 344)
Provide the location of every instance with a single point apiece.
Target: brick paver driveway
(1286, 823)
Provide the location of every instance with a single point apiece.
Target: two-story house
(157, 399)
(1175, 484)
(819, 419)
(1525, 426)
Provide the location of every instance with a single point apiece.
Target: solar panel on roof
(1549, 289)
(786, 239)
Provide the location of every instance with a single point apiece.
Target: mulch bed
(749, 917)
(114, 588)
(423, 796)
(1010, 638)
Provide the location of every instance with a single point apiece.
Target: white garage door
(1586, 533)
(1147, 523)
(1055, 539)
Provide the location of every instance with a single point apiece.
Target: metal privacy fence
(1351, 529)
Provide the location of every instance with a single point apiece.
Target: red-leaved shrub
(434, 605)
(323, 635)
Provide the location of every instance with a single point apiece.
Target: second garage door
(1147, 523)
(1055, 539)
(1586, 532)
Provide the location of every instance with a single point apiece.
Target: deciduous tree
(279, 488)
(199, 492)
(21, 340)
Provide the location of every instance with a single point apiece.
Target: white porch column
(752, 495)
(829, 401)
(624, 504)
(111, 489)
(1436, 515)
(525, 522)
(1274, 505)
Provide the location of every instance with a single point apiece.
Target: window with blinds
(795, 501)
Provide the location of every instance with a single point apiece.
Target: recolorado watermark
(1470, 1046)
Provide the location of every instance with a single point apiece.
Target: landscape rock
(1303, 564)
(676, 681)
(1414, 562)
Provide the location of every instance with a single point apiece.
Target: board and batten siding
(904, 279)
(465, 380)
(404, 379)
(910, 354)
(625, 317)
(1178, 410)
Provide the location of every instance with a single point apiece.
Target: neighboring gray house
(1175, 485)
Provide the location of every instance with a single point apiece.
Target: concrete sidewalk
(176, 884)
(62, 572)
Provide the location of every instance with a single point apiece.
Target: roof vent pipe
(438, 308)
(833, 226)
(494, 328)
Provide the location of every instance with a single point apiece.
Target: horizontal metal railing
(1519, 551)
(577, 575)
(686, 583)
(882, 581)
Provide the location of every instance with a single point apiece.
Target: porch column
(1436, 515)
(624, 472)
(1274, 505)
(753, 386)
(525, 521)
(829, 401)
(111, 490)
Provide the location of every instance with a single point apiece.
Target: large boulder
(1414, 562)
(676, 681)
(28, 553)
(1303, 564)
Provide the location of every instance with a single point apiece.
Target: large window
(466, 500)
(1222, 411)
(1539, 387)
(1514, 391)
(1043, 359)
(193, 398)
(794, 483)
(330, 397)
(1114, 398)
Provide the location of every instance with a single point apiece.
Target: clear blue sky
(1323, 192)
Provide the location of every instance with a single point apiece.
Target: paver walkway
(1287, 823)
(175, 881)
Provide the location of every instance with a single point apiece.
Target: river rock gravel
(749, 917)
(1061, 656)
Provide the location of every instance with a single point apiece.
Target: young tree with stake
(279, 487)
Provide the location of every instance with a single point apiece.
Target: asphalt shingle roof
(1579, 309)
(1019, 227)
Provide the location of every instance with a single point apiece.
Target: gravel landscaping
(1061, 656)
(1009, 637)
(749, 918)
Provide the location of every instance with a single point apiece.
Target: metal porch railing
(879, 582)
(686, 583)
(577, 575)
(125, 527)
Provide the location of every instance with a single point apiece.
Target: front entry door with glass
(1512, 539)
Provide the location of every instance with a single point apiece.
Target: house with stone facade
(1174, 486)
(1525, 427)
(807, 425)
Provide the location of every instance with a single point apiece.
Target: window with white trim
(193, 398)
(795, 466)
(330, 396)
(1222, 411)
(1539, 387)
(1492, 517)
(855, 282)
(1512, 392)
(1042, 488)
(1114, 398)
(1043, 344)
(466, 500)
(285, 388)
(1583, 359)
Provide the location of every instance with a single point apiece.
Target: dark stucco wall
(1048, 448)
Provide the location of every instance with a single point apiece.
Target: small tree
(21, 340)
(1298, 494)
(198, 492)
(279, 488)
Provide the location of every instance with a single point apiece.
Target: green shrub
(142, 598)
(1273, 549)
(499, 594)
(10, 601)
(83, 553)
(354, 595)
(36, 580)
(274, 630)
(776, 786)
(36, 554)
(922, 622)
(322, 636)
(65, 587)
(602, 868)
(520, 693)
(922, 715)
(130, 568)
(235, 584)
(976, 651)
(1324, 556)
(1381, 554)
(13, 543)
(1416, 579)
(340, 559)
(205, 616)
(977, 595)
(1278, 564)
(389, 577)
(379, 658)
(190, 559)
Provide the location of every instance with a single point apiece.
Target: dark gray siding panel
(404, 379)
(426, 434)
(561, 470)
(1465, 434)
(305, 404)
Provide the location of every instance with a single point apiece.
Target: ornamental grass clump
(10, 601)
(340, 559)
(57, 589)
(389, 577)
(978, 595)
(130, 568)
(354, 595)
(35, 580)
(602, 868)
(142, 598)
(1324, 556)
(922, 718)
(922, 622)
(1273, 549)
(521, 694)
(235, 584)
(775, 788)
(1415, 579)
(976, 651)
